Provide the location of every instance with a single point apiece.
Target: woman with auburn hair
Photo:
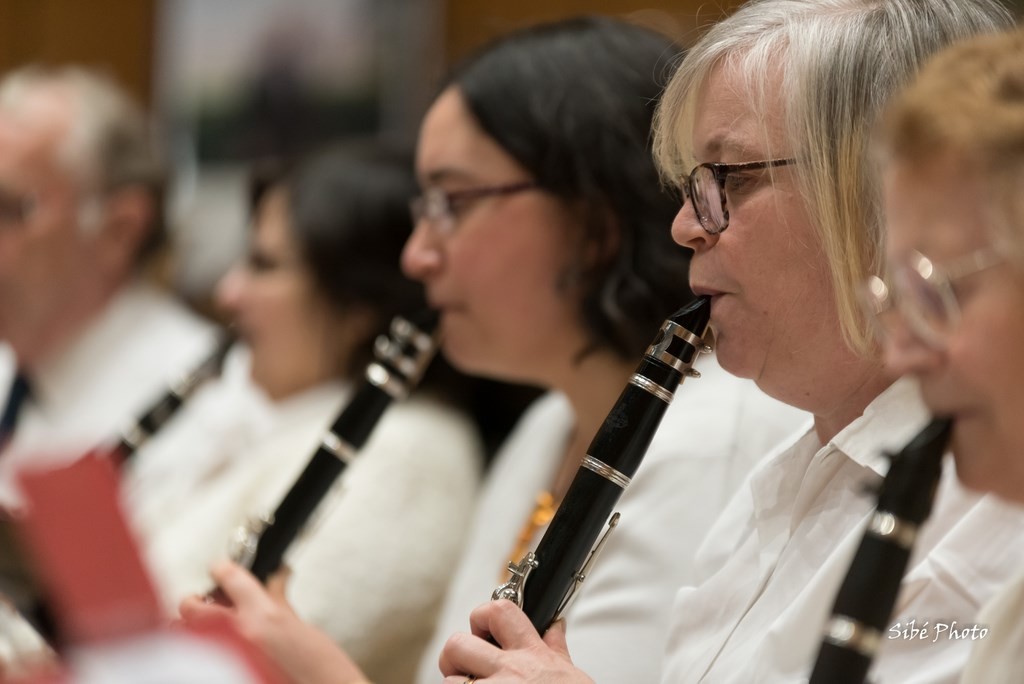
(952, 313)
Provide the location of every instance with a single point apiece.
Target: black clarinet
(545, 580)
(401, 357)
(161, 411)
(866, 598)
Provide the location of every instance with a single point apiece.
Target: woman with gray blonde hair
(766, 129)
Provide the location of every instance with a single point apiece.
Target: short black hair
(348, 209)
(572, 102)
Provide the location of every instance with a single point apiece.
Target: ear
(361, 323)
(127, 218)
(605, 251)
(587, 252)
(348, 331)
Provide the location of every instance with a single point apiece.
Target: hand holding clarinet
(262, 614)
(545, 581)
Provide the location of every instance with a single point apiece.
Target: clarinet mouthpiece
(425, 320)
(695, 315)
(681, 337)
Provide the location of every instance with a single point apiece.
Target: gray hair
(839, 63)
(109, 143)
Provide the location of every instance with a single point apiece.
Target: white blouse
(770, 568)
(712, 434)
(997, 655)
(371, 570)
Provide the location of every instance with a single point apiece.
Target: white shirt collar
(897, 412)
(74, 361)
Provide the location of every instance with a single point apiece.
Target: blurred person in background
(542, 237)
(953, 315)
(320, 282)
(87, 343)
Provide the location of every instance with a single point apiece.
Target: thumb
(554, 638)
(242, 588)
(278, 583)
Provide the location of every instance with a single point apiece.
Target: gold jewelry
(542, 513)
(470, 679)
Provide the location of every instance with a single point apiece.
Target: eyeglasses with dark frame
(705, 188)
(924, 294)
(440, 207)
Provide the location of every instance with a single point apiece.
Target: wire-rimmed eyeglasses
(441, 207)
(923, 294)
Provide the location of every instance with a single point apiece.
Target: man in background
(86, 343)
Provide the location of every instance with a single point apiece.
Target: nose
(421, 256)
(230, 290)
(905, 351)
(687, 231)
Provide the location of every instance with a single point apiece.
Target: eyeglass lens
(926, 305)
(707, 199)
(432, 206)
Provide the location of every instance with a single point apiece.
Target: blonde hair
(838, 62)
(968, 105)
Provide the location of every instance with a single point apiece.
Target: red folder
(97, 587)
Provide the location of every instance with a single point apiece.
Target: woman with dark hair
(346, 213)
(542, 238)
(321, 281)
(579, 140)
(575, 272)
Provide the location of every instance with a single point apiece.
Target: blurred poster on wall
(239, 81)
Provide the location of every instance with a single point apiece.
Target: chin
(469, 361)
(979, 464)
(462, 359)
(263, 376)
(968, 475)
(734, 359)
(264, 383)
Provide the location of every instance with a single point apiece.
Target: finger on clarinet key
(505, 623)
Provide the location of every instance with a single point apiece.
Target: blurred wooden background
(120, 34)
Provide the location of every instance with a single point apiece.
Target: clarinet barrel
(545, 580)
(401, 358)
(868, 594)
